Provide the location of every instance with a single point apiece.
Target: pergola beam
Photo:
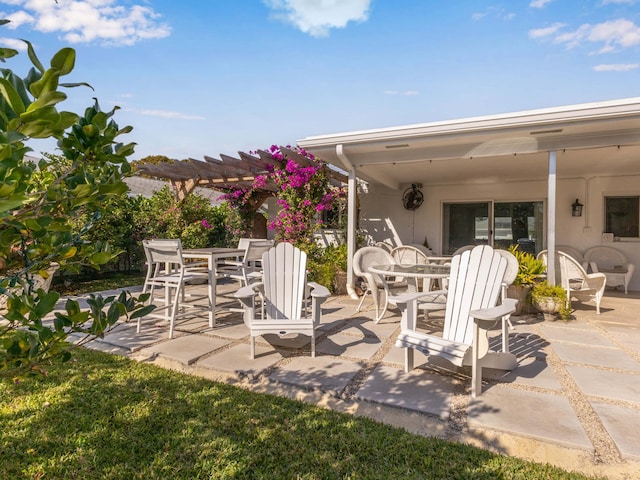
(226, 173)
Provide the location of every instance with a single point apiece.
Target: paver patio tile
(627, 335)
(531, 372)
(530, 414)
(237, 360)
(188, 349)
(623, 424)
(585, 336)
(595, 355)
(354, 346)
(328, 374)
(126, 337)
(418, 390)
(603, 383)
(366, 327)
(522, 344)
(235, 330)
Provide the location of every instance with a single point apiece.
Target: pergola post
(352, 213)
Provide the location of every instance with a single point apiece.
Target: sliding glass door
(518, 223)
(465, 224)
(499, 224)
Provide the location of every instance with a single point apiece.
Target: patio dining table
(413, 272)
(212, 255)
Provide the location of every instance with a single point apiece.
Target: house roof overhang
(590, 139)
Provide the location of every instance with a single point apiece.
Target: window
(622, 216)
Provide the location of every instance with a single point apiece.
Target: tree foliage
(194, 220)
(37, 202)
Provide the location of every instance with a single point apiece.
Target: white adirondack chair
(475, 286)
(283, 291)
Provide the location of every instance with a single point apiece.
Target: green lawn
(104, 416)
(99, 283)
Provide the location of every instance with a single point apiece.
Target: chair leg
(376, 300)
(408, 359)
(313, 346)
(174, 308)
(384, 307)
(476, 367)
(364, 295)
(253, 347)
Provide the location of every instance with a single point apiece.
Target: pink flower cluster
(303, 192)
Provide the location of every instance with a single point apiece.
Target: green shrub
(324, 263)
(194, 220)
(529, 267)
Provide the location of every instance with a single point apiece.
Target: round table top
(421, 270)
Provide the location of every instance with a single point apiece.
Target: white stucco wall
(384, 219)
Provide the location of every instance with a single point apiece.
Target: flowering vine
(303, 192)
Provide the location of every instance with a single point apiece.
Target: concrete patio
(574, 400)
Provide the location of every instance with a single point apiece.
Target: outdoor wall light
(576, 209)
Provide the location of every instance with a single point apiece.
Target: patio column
(551, 220)
(351, 219)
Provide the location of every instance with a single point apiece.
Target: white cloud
(13, 43)
(84, 21)
(539, 3)
(166, 114)
(318, 17)
(616, 67)
(406, 93)
(612, 35)
(621, 33)
(546, 31)
(493, 12)
(627, 2)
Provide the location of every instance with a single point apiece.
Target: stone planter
(548, 305)
(520, 293)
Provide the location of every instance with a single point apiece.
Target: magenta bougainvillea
(303, 193)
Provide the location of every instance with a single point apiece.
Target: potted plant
(530, 270)
(550, 299)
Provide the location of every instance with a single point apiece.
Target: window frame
(609, 228)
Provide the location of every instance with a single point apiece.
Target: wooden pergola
(227, 173)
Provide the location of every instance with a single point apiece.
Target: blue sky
(205, 77)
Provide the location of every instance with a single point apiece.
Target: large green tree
(37, 201)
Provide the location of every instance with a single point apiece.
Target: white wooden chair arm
(248, 290)
(318, 291)
(495, 313)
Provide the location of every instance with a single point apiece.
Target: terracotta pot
(520, 293)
